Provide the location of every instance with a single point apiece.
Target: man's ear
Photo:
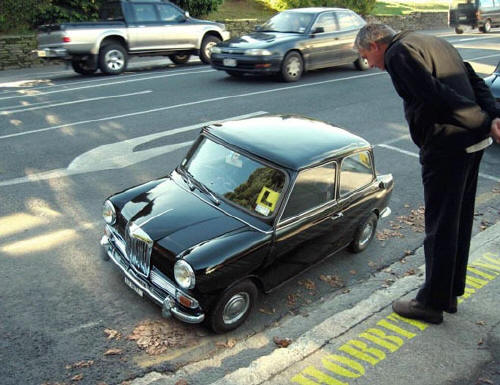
(374, 46)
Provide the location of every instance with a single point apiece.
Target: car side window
(486, 3)
(326, 21)
(145, 12)
(169, 13)
(346, 21)
(356, 171)
(313, 187)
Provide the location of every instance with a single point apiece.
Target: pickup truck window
(144, 12)
(111, 12)
(170, 14)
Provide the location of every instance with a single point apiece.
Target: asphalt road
(67, 142)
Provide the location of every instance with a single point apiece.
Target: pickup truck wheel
(206, 48)
(112, 59)
(364, 234)
(81, 67)
(233, 307)
(179, 59)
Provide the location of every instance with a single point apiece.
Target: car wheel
(233, 307)
(112, 59)
(292, 67)
(81, 67)
(364, 234)
(206, 48)
(459, 30)
(486, 27)
(362, 64)
(235, 74)
(179, 59)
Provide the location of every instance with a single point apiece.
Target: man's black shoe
(452, 308)
(415, 310)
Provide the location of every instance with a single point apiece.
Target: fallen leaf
(408, 252)
(353, 272)
(80, 364)
(182, 382)
(332, 280)
(409, 272)
(111, 333)
(228, 344)
(345, 291)
(78, 377)
(282, 342)
(481, 323)
(371, 264)
(112, 352)
(480, 342)
(291, 299)
(484, 381)
(265, 311)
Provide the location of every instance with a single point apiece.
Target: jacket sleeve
(483, 94)
(410, 72)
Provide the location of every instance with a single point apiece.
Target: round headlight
(109, 213)
(184, 275)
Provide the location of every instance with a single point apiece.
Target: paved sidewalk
(369, 344)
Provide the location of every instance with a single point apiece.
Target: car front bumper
(246, 64)
(158, 287)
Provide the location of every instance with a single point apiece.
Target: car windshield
(287, 22)
(249, 184)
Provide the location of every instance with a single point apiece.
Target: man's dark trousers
(450, 182)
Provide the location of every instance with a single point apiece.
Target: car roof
(314, 9)
(291, 141)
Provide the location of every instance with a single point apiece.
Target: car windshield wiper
(193, 183)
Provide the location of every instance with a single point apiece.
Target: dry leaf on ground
(112, 352)
(112, 334)
(265, 311)
(332, 279)
(282, 342)
(228, 344)
(182, 382)
(78, 377)
(410, 272)
(80, 364)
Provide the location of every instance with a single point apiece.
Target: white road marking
(219, 98)
(415, 155)
(119, 155)
(30, 108)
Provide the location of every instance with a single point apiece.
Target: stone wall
(15, 51)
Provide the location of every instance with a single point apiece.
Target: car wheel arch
(112, 39)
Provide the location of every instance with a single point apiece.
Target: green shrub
(197, 8)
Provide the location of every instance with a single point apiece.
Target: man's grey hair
(373, 33)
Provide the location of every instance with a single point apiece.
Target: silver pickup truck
(126, 28)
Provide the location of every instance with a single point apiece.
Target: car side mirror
(319, 30)
(186, 14)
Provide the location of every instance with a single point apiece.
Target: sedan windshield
(245, 182)
(287, 22)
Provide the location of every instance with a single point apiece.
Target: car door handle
(336, 216)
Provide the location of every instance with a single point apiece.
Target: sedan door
(310, 227)
(349, 24)
(324, 43)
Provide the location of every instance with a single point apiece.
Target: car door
(177, 32)
(310, 225)
(324, 43)
(349, 24)
(145, 28)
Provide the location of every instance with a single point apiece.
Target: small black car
(239, 213)
(292, 42)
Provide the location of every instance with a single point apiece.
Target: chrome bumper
(164, 297)
(52, 53)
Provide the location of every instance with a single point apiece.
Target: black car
(493, 81)
(240, 213)
(292, 42)
(480, 14)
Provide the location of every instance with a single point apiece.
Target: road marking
(31, 92)
(415, 155)
(159, 109)
(120, 154)
(31, 108)
(372, 346)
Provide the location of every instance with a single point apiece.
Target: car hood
(169, 211)
(259, 40)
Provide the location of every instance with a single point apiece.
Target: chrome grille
(138, 249)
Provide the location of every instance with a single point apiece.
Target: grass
(257, 9)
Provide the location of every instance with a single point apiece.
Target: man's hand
(495, 129)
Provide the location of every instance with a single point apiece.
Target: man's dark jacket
(447, 105)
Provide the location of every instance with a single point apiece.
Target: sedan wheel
(292, 67)
(233, 307)
(459, 30)
(179, 59)
(364, 234)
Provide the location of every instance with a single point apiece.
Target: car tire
(364, 234)
(362, 64)
(459, 30)
(233, 307)
(81, 67)
(112, 59)
(486, 27)
(179, 59)
(206, 47)
(236, 74)
(292, 67)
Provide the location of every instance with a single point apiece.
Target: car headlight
(216, 49)
(109, 213)
(258, 52)
(184, 275)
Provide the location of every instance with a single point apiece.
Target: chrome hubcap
(208, 48)
(293, 67)
(114, 60)
(236, 308)
(366, 234)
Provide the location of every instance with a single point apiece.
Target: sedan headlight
(216, 49)
(109, 213)
(258, 52)
(184, 275)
